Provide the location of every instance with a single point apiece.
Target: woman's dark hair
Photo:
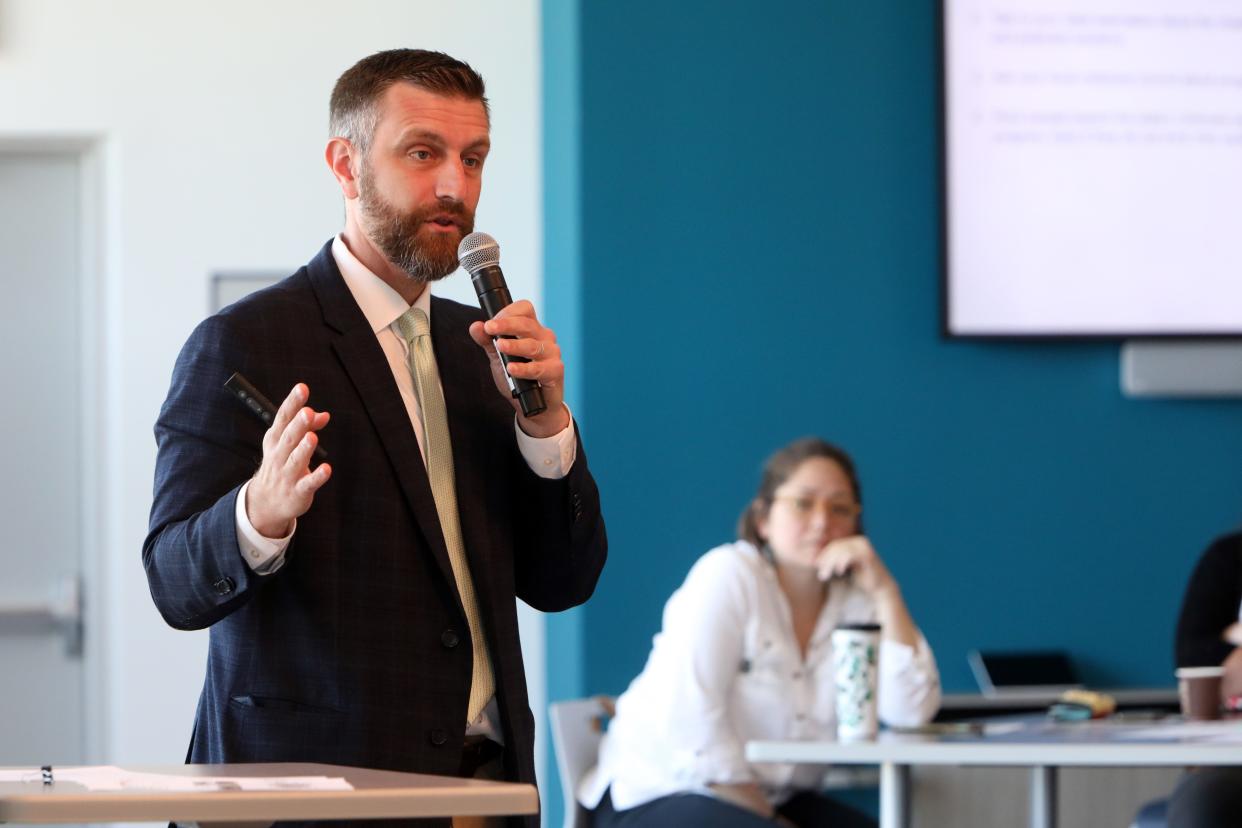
(779, 468)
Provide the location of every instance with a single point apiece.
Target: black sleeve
(1210, 605)
(560, 564)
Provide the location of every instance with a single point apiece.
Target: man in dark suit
(362, 613)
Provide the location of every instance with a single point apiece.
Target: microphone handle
(493, 293)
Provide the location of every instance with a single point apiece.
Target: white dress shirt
(726, 668)
(549, 457)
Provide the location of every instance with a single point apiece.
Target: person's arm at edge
(1210, 605)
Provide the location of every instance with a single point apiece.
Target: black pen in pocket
(260, 405)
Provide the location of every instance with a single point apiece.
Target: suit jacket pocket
(276, 704)
(269, 729)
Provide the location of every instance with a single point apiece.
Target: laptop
(1022, 673)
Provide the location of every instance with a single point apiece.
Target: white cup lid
(1199, 672)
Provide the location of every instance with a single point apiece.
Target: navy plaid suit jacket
(357, 651)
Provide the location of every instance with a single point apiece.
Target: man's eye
(804, 504)
(471, 162)
(421, 155)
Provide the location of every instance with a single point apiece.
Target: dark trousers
(1207, 798)
(805, 809)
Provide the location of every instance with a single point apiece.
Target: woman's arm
(909, 681)
(894, 617)
(856, 557)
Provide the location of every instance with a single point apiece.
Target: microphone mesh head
(478, 250)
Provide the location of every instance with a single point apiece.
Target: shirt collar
(380, 304)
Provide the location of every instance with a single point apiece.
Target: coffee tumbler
(855, 662)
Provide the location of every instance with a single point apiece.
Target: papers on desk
(1228, 730)
(111, 778)
(1003, 728)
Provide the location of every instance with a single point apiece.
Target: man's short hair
(353, 113)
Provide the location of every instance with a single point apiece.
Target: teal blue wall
(562, 257)
(756, 207)
(562, 293)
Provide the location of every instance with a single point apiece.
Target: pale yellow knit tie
(438, 454)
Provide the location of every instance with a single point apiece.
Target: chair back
(577, 728)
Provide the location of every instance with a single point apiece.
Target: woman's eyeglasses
(804, 506)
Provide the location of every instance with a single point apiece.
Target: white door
(41, 673)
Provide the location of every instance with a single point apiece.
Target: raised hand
(284, 487)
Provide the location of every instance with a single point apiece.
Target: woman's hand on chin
(855, 557)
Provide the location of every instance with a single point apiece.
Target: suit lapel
(367, 368)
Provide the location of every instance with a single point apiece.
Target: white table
(1037, 743)
(377, 794)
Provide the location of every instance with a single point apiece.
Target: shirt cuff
(262, 554)
(549, 457)
(909, 682)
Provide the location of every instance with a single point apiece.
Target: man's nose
(450, 180)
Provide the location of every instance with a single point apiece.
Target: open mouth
(443, 222)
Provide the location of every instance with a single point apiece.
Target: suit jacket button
(437, 736)
(224, 586)
(449, 639)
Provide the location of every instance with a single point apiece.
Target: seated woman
(745, 653)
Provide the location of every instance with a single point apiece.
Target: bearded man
(362, 612)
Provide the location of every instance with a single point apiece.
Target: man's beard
(396, 234)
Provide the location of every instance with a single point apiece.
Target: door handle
(60, 611)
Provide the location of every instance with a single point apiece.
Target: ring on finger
(539, 353)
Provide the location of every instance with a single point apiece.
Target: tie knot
(413, 324)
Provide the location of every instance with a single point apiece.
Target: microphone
(479, 254)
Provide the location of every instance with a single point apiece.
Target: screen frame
(946, 328)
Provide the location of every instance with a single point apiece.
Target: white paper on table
(1218, 731)
(173, 782)
(20, 775)
(293, 783)
(67, 774)
(112, 778)
(1002, 728)
(80, 775)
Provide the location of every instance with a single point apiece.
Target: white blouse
(726, 669)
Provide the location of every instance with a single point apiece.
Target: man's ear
(342, 157)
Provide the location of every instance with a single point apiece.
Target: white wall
(207, 123)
